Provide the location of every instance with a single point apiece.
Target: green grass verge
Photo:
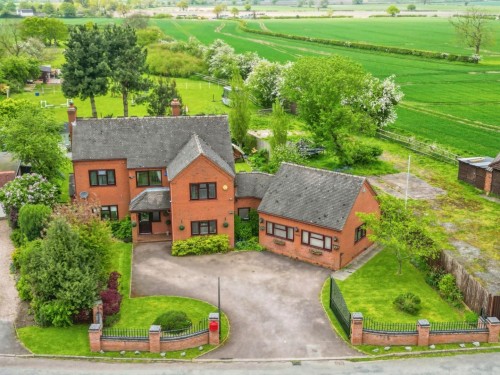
(135, 313)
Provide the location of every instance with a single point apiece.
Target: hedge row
(200, 245)
(367, 46)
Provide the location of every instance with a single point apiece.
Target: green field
(449, 103)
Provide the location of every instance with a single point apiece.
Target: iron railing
(339, 307)
(125, 333)
(452, 327)
(399, 328)
(195, 330)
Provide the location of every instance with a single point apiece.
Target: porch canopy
(152, 199)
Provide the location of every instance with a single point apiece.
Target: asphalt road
(465, 364)
(272, 301)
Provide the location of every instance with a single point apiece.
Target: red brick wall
(6, 177)
(190, 342)
(119, 345)
(382, 339)
(107, 195)
(246, 202)
(452, 338)
(185, 210)
(334, 259)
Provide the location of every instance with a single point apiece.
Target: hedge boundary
(367, 46)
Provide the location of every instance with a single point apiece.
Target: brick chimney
(71, 119)
(176, 107)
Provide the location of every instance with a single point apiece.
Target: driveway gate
(339, 307)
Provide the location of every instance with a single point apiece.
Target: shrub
(411, 7)
(408, 302)
(113, 280)
(434, 276)
(56, 312)
(17, 237)
(201, 245)
(471, 316)
(250, 244)
(33, 219)
(242, 230)
(83, 316)
(173, 321)
(448, 289)
(24, 289)
(111, 302)
(122, 229)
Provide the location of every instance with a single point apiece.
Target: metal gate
(339, 307)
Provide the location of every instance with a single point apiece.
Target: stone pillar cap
(155, 328)
(213, 316)
(423, 323)
(493, 320)
(357, 315)
(95, 327)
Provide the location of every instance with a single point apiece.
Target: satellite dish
(84, 195)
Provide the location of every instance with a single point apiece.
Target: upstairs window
(148, 178)
(103, 177)
(244, 213)
(359, 233)
(203, 191)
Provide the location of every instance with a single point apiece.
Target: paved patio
(272, 302)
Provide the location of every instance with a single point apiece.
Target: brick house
(173, 175)
(481, 172)
(310, 214)
(9, 168)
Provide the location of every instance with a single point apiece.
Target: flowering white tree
(265, 81)
(247, 62)
(378, 100)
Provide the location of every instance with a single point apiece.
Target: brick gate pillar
(97, 309)
(95, 333)
(213, 333)
(154, 338)
(356, 328)
(493, 325)
(423, 329)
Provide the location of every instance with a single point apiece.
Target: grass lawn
(135, 313)
(372, 289)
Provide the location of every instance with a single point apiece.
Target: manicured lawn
(135, 313)
(372, 289)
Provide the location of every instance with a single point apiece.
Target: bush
(33, 219)
(113, 280)
(434, 276)
(251, 244)
(471, 316)
(122, 229)
(201, 245)
(18, 238)
(111, 299)
(259, 159)
(24, 289)
(448, 290)
(173, 321)
(83, 316)
(411, 7)
(408, 302)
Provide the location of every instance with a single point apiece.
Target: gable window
(278, 230)
(316, 240)
(109, 212)
(244, 213)
(148, 178)
(203, 191)
(102, 177)
(199, 228)
(359, 233)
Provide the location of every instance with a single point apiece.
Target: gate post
(154, 338)
(423, 329)
(356, 328)
(213, 329)
(95, 333)
(493, 325)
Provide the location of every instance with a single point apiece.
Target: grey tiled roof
(150, 141)
(252, 184)
(311, 195)
(195, 147)
(152, 199)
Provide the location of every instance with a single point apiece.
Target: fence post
(493, 325)
(95, 310)
(356, 328)
(95, 333)
(423, 329)
(154, 338)
(213, 329)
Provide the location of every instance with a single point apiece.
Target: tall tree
(473, 28)
(161, 96)
(127, 61)
(239, 114)
(86, 71)
(49, 30)
(33, 136)
(279, 125)
(11, 40)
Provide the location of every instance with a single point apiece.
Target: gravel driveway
(9, 301)
(272, 302)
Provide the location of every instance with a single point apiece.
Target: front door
(145, 225)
